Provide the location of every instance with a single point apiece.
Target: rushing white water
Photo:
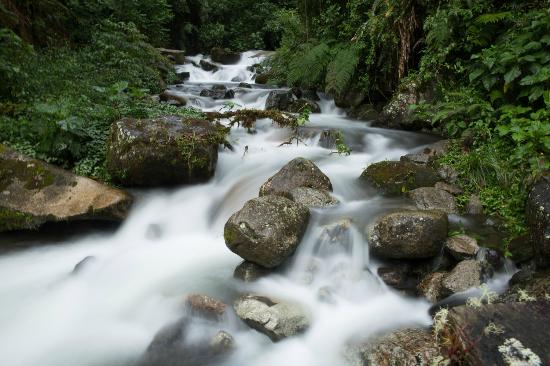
(172, 245)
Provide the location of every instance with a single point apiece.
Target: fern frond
(307, 69)
(492, 18)
(341, 70)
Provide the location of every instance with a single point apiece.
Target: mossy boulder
(430, 198)
(33, 192)
(279, 100)
(408, 234)
(267, 230)
(163, 151)
(298, 172)
(398, 177)
(225, 56)
(300, 105)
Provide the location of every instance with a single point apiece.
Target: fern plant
(308, 69)
(341, 70)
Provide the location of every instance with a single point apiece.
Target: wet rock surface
(401, 347)
(502, 334)
(431, 286)
(205, 306)
(408, 234)
(208, 66)
(162, 151)
(462, 246)
(279, 100)
(33, 193)
(465, 275)
(250, 272)
(312, 198)
(538, 218)
(397, 177)
(429, 198)
(225, 56)
(298, 172)
(267, 230)
(218, 92)
(277, 320)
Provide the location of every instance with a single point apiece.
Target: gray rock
(454, 190)
(279, 100)
(177, 55)
(169, 96)
(312, 198)
(397, 177)
(474, 206)
(245, 85)
(400, 348)
(328, 139)
(222, 342)
(429, 198)
(465, 275)
(431, 286)
(224, 56)
(277, 320)
(300, 105)
(33, 193)
(518, 335)
(398, 114)
(250, 272)
(83, 264)
(408, 234)
(448, 174)
(538, 218)
(218, 92)
(462, 247)
(298, 172)
(208, 66)
(182, 76)
(335, 238)
(162, 151)
(267, 230)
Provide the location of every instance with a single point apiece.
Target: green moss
(33, 175)
(397, 177)
(228, 236)
(15, 220)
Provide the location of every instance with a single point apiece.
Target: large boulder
(538, 218)
(277, 320)
(173, 98)
(218, 92)
(225, 56)
(500, 334)
(430, 198)
(300, 105)
(298, 172)
(408, 234)
(162, 151)
(398, 114)
(33, 192)
(431, 286)
(267, 230)
(397, 177)
(279, 100)
(208, 66)
(401, 347)
(465, 275)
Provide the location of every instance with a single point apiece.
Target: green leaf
(476, 74)
(512, 74)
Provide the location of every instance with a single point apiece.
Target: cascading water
(172, 245)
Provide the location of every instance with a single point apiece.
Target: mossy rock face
(33, 192)
(398, 177)
(300, 105)
(163, 151)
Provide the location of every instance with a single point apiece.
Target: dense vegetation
(71, 67)
(484, 65)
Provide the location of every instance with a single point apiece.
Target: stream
(172, 245)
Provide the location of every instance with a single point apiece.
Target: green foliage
(307, 69)
(341, 70)
(13, 51)
(62, 101)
